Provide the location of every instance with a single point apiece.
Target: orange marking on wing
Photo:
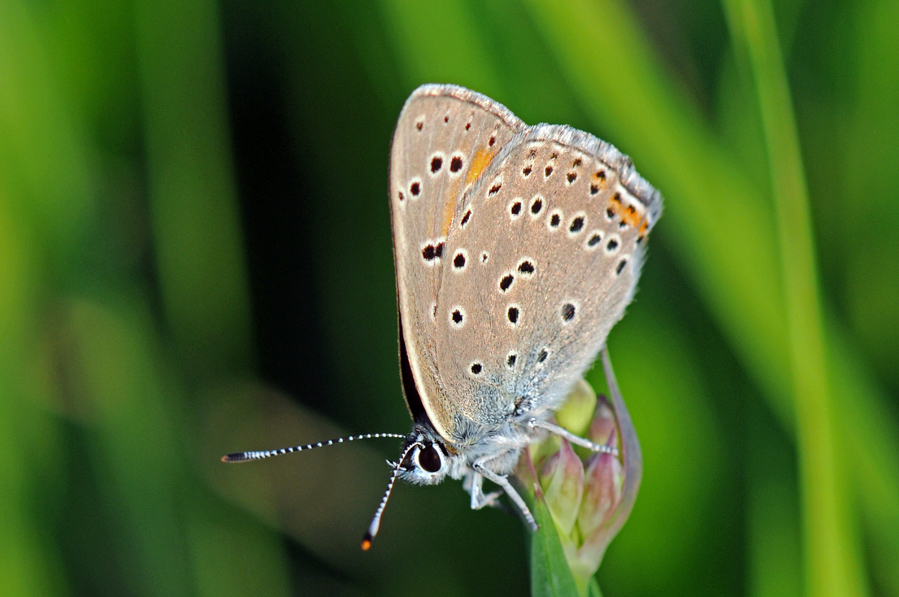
(615, 205)
(478, 164)
(630, 216)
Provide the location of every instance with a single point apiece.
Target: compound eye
(429, 459)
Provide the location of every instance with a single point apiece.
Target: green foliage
(195, 258)
(550, 575)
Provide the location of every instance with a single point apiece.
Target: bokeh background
(195, 258)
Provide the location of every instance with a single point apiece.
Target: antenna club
(366, 542)
(237, 457)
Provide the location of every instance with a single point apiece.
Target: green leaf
(550, 574)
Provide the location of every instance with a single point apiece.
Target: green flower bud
(562, 479)
(577, 411)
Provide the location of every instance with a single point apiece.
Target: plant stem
(832, 562)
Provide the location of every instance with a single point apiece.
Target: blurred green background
(195, 258)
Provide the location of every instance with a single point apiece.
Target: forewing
(544, 266)
(446, 136)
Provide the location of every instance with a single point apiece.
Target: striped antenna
(376, 521)
(247, 456)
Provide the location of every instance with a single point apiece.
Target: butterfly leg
(503, 482)
(474, 485)
(574, 439)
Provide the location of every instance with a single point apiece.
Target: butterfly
(517, 248)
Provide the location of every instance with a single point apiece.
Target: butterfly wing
(550, 256)
(446, 136)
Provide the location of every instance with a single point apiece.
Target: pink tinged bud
(562, 479)
(589, 508)
(603, 487)
(603, 426)
(603, 490)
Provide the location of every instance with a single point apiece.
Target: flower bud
(603, 425)
(589, 500)
(562, 479)
(603, 489)
(577, 411)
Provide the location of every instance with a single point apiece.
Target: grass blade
(550, 574)
(833, 564)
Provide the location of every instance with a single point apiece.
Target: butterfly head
(426, 459)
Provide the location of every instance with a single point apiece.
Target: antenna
(247, 456)
(376, 521)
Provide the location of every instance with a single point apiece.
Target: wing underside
(517, 249)
(445, 138)
(553, 247)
